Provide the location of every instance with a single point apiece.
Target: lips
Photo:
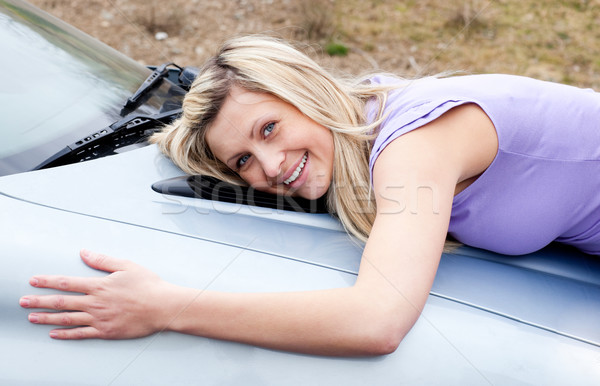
(298, 171)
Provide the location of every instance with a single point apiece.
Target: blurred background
(557, 40)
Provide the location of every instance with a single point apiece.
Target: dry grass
(553, 40)
(153, 18)
(317, 19)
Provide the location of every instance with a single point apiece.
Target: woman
(504, 163)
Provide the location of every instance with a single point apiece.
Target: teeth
(296, 172)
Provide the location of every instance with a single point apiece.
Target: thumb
(103, 262)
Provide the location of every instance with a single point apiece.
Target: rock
(161, 35)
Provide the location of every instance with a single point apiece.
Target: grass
(557, 40)
(552, 40)
(317, 19)
(336, 49)
(153, 19)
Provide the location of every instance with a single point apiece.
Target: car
(77, 172)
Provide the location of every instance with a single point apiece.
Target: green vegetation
(336, 49)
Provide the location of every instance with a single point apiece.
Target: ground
(555, 40)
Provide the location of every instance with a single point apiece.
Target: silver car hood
(118, 188)
(489, 318)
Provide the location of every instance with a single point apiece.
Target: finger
(64, 283)
(103, 262)
(54, 302)
(75, 333)
(61, 318)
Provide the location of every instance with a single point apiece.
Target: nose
(271, 162)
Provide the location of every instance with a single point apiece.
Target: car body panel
(118, 188)
(451, 342)
(463, 336)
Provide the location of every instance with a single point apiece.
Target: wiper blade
(124, 132)
(150, 82)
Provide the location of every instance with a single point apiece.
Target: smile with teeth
(297, 172)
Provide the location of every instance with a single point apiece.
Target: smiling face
(272, 145)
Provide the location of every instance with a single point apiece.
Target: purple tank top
(544, 183)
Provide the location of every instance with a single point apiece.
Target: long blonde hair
(268, 65)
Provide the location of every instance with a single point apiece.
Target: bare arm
(372, 317)
(414, 183)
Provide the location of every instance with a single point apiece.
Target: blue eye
(268, 129)
(243, 160)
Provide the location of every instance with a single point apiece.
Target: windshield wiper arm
(123, 132)
(150, 82)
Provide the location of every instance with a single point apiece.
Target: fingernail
(85, 253)
(33, 318)
(24, 302)
(34, 282)
(53, 334)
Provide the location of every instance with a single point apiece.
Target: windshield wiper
(150, 82)
(127, 131)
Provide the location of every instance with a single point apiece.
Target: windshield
(58, 84)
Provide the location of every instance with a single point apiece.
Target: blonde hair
(268, 65)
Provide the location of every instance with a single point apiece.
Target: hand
(128, 303)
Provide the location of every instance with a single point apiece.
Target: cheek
(257, 180)
(251, 179)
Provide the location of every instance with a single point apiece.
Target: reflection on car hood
(60, 85)
(557, 289)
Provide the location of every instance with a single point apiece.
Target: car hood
(118, 188)
(59, 86)
(522, 307)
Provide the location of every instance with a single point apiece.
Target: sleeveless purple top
(544, 183)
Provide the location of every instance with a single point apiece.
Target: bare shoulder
(457, 147)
